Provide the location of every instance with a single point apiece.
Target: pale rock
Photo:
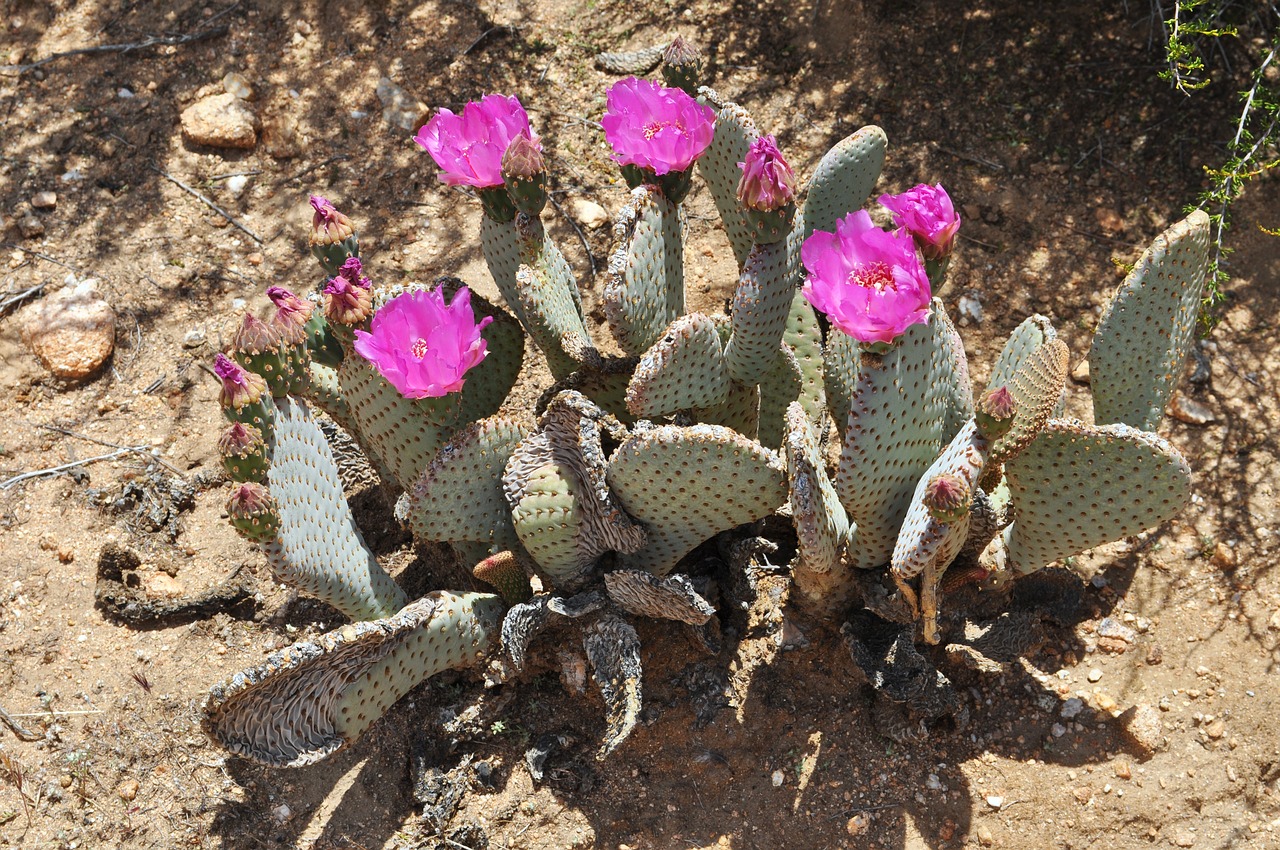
(44, 200)
(1094, 675)
(127, 790)
(985, 838)
(237, 85)
(970, 307)
(237, 184)
(1142, 726)
(72, 332)
(1183, 837)
(1080, 374)
(1190, 411)
(592, 215)
(30, 227)
(858, 824)
(220, 121)
(280, 136)
(1224, 557)
(399, 108)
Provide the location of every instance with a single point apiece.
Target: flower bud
(947, 497)
(525, 173)
(682, 66)
(346, 302)
(995, 413)
(259, 348)
(292, 313)
(767, 190)
(505, 574)
(253, 512)
(239, 387)
(244, 452)
(333, 237)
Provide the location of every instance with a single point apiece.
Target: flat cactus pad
(645, 288)
(718, 165)
(684, 369)
(844, 179)
(822, 526)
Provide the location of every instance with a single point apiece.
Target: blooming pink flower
(423, 347)
(657, 128)
(469, 147)
(767, 183)
(927, 214)
(871, 284)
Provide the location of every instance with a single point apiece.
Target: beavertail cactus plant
(836, 393)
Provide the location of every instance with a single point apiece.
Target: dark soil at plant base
(1063, 151)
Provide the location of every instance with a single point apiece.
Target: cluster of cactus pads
(582, 512)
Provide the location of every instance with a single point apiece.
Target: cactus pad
(779, 387)
(550, 315)
(459, 496)
(308, 701)
(1036, 387)
(804, 335)
(761, 306)
(844, 179)
(1078, 486)
(822, 526)
(613, 648)
(645, 288)
(645, 595)
(688, 484)
(718, 165)
(319, 548)
(684, 369)
(1141, 344)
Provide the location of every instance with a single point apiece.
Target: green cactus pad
(689, 484)
(645, 288)
(740, 411)
(321, 342)
(504, 573)
(1036, 387)
(844, 179)
(761, 306)
(604, 381)
(779, 387)
(319, 549)
(804, 335)
(684, 369)
(718, 165)
(1078, 486)
(928, 545)
(1026, 338)
(646, 595)
(613, 648)
(312, 699)
(459, 496)
(554, 483)
(501, 245)
(822, 526)
(324, 392)
(894, 432)
(488, 384)
(551, 315)
(840, 363)
(403, 433)
(1141, 344)
(959, 398)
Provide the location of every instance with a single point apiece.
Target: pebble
(1080, 374)
(1184, 838)
(127, 790)
(44, 200)
(1113, 628)
(282, 812)
(255, 259)
(592, 215)
(1123, 771)
(125, 94)
(858, 824)
(790, 637)
(399, 108)
(1094, 675)
(235, 185)
(193, 338)
(995, 801)
(1216, 729)
(30, 227)
(1142, 727)
(1058, 730)
(1155, 654)
(1072, 707)
(970, 307)
(72, 332)
(985, 838)
(220, 121)
(778, 778)
(1190, 411)
(1224, 557)
(237, 85)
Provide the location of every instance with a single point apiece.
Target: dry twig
(208, 203)
(151, 41)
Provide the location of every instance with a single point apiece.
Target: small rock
(255, 259)
(127, 790)
(778, 778)
(280, 136)
(592, 215)
(1123, 771)
(125, 94)
(1072, 707)
(1058, 730)
(790, 637)
(985, 838)
(995, 801)
(1155, 653)
(1189, 410)
(1216, 729)
(30, 227)
(1115, 646)
(237, 85)
(282, 812)
(1224, 557)
(44, 200)
(72, 332)
(858, 824)
(1113, 628)
(1141, 724)
(163, 586)
(235, 185)
(220, 121)
(1105, 702)
(970, 307)
(1183, 838)
(1080, 374)
(65, 780)
(1109, 220)
(399, 108)
(1094, 675)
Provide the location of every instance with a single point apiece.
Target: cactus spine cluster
(706, 423)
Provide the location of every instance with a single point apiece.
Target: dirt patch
(1062, 150)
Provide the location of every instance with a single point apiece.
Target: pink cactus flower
(469, 147)
(927, 214)
(871, 284)
(422, 346)
(657, 128)
(767, 183)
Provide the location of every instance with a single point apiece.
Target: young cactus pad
(312, 699)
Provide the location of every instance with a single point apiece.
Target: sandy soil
(1066, 156)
